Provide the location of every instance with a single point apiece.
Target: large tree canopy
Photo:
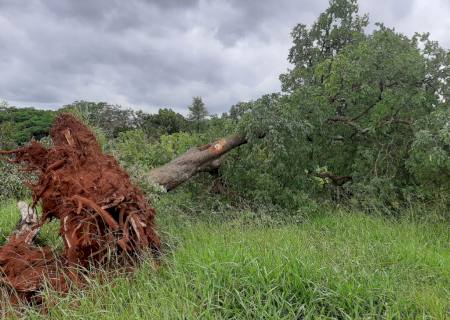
(365, 106)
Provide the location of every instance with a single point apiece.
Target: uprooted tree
(101, 213)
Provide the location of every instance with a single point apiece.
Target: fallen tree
(206, 158)
(99, 209)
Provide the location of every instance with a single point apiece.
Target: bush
(12, 186)
(134, 148)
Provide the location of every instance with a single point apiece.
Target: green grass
(338, 265)
(9, 216)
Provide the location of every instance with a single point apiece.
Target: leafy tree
(112, 119)
(166, 121)
(337, 27)
(19, 125)
(429, 159)
(238, 110)
(352, 107)
(197, 112)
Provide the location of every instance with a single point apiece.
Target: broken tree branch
(201, 159)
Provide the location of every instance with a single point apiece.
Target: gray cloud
(150, 54)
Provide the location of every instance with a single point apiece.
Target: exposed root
(99, 209)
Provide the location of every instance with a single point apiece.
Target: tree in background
(166, 121)
(19, 125)
(197, 112)
(111, 119)
(238, 110)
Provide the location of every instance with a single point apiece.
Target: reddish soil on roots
(102, 215)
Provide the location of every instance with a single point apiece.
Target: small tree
(197, 112)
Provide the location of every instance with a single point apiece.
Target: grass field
(337, 265)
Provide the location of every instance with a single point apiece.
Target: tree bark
(201, 159)
(28, 223)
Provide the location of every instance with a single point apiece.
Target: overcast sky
(147, 54)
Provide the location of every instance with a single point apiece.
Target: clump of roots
(101, 213)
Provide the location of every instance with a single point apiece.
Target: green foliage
(7, 136)
(11, 182)
(429, 159)
(138, 153)
(111, 119)
(338, 26)
(135, 148)
(197, 112)
(373, 93)
(237, 111)
(19, 125)
(370, 106)
(356, 104)
(166, 121)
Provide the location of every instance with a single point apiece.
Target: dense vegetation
(341, 210)
(20, 125)
(362, 119)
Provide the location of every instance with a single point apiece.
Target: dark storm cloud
(149, 54)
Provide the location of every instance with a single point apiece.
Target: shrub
(12, 182)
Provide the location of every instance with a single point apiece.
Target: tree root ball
(101, 213)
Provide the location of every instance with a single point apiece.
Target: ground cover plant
(339, 264)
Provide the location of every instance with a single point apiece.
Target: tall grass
(339, 265)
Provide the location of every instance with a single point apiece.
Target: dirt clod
(101, 213)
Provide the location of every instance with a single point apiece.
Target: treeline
(20, 125)
(363, 118)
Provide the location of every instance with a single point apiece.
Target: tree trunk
(201, 159)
